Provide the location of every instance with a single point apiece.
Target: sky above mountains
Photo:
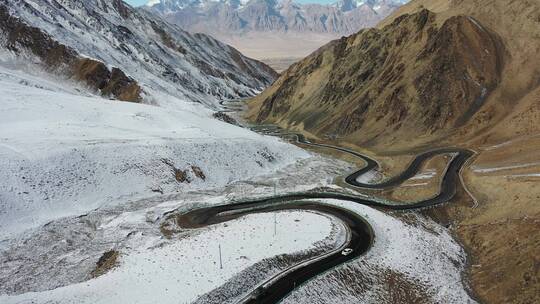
(142, 2)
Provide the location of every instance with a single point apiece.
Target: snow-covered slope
(412, 261)
(64, 154)
(159, 56)
(180, 270)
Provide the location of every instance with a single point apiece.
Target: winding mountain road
(360, 233)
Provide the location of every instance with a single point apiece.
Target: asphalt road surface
(360, 235)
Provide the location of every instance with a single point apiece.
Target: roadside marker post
(220, 260)
(275, 224)
(275, 215)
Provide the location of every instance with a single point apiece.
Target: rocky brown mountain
(411, 78)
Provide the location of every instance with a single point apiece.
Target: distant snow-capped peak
(376, 5)
(216, 17)
(181, 4)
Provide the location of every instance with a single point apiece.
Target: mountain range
(238, 16)
(277, 32)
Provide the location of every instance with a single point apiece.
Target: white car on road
(346, 251)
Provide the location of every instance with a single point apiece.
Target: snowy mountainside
(159, 56)
(65, 154)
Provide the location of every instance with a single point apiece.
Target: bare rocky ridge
(518, 25)
(128, 54)
(411, 78)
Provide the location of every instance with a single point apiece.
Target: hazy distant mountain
(239, 16)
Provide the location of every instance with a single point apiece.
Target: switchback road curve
(360, 233)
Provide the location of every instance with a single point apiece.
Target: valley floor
(278, 50)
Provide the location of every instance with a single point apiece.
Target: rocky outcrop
(56, 57)
(110, 83)
(412, 78)
(226, 118)
(106, 262)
